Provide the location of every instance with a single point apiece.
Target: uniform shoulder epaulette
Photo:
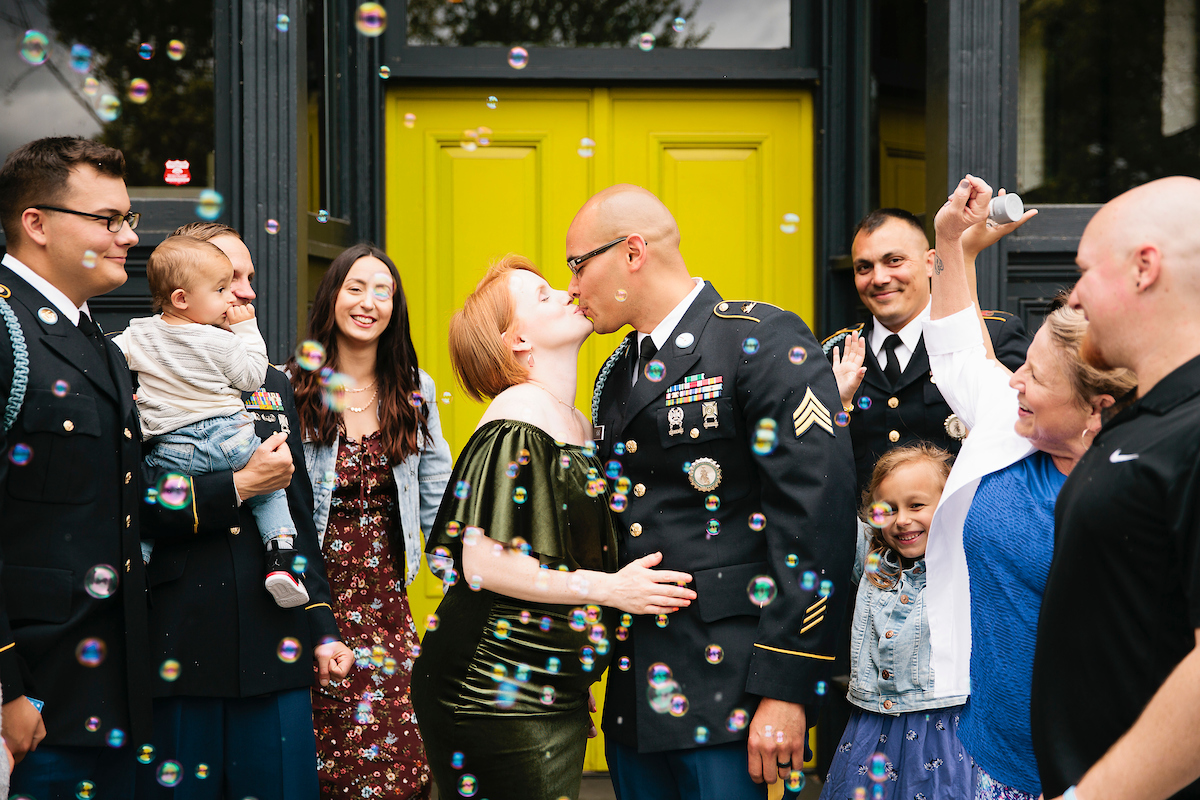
(741, 309)
(829, 342)
(999, 316)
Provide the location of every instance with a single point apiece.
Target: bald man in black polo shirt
(1116, 680)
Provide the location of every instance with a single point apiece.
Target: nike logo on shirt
(1117, 456)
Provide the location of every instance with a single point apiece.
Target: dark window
(646, 24)
(1107, 97)
(137, 76)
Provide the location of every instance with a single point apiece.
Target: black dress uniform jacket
(914, 410)
(210, 611)
(69, 502)
(804, 488)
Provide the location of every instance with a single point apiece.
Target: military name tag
(597, 433)
(704, 474)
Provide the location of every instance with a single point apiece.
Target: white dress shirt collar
(47, 289)
(664, 329)
(909, 335)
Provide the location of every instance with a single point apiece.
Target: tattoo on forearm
(938, 266)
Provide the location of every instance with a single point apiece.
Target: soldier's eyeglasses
(575, 263)
(114, 222)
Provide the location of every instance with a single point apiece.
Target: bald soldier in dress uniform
(892, 266)
(738, 476)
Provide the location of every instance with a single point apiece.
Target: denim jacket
(420, 481)
(890, 669)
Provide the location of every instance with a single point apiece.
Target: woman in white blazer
(992, 536)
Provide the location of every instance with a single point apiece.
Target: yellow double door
(467, 183)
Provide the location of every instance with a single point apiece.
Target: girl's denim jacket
(420, 481)
(890, 668)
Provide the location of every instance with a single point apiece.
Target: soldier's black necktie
(891, 370)
(91, 330)
(647, 352)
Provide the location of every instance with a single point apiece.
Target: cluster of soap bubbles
(474, 138)
(664, 692)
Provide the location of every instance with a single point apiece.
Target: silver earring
(1084, 435)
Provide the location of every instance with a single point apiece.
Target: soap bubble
(202, 771)
(646, 42)
(288, 650)
(766, 437)
(174, 491)
(299, 564)
(523, 457)
(877, 767)
(758, 521)
(761, 590)
(503, 627)
(271, 226)
(612, 470)
(101, 581)
(872, 562)
(432, 622)
(139, 91)
(738, 720)
(679, 24)
(81, 58)
(622, 295)
(84, 790)
(456, 759)
(91, 652)
(310, 355)
(808, 581)
(89, 259)
(587, 147)
(750, 346)
(385, 71)
(492, 101)
(618, 503)
(518, 58)
(20, 454)
(878, 514)
(209, 205)
(109, 107)
(176, 50)
(282, 23)
(825, 589)
(169, 773)
(714, 654)
(35, 47)
(790, 223)
(322, 216)
(679, 705)
(712, 502)
(169, 670)
(662, 620)
(371, 19)
(821, 687)
(91, 86)
(115, 738)
(864, 403)
(655, 371)
(410, 119)
(145, 51)
(841, 419)
(713, 528)
(468, 786)
(795, 781)
(797, 355)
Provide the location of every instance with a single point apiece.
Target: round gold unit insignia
(955, 427)
(704, 474)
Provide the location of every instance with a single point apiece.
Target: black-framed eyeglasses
(575, 263)
(114, 221)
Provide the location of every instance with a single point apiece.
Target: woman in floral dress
(378, 465)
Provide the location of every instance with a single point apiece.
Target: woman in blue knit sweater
(992, 536)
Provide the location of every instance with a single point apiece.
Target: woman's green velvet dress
(500, 687)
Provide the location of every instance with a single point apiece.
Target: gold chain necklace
(366, 405)
(363, 389)
(552, 394)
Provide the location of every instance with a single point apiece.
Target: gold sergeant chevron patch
(811, 412)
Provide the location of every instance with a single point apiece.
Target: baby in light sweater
(194, 359)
